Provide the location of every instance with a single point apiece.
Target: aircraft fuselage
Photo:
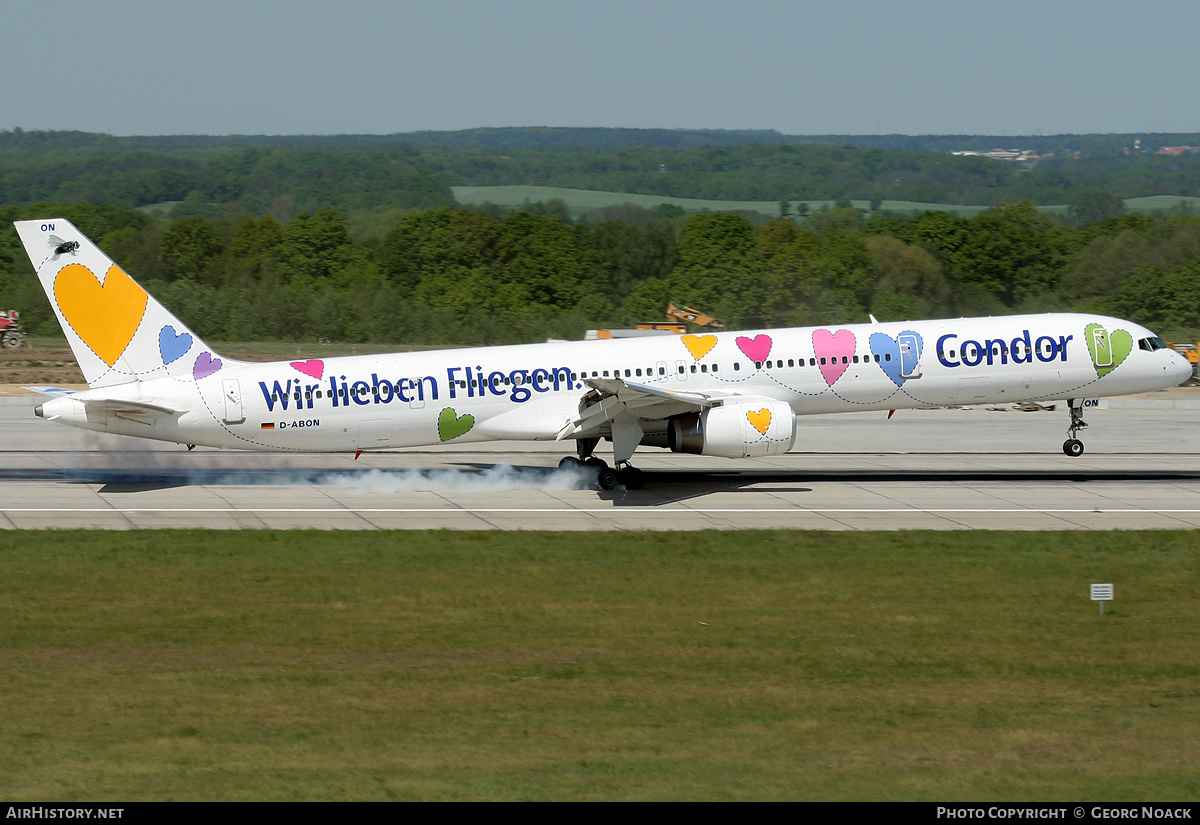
(530, 392)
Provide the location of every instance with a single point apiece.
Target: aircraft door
(680, 371)
(234, 414)
(376, 432)
(974, 390)
(910, 354)
(1103, 352)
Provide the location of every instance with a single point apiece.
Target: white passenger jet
(732, 394)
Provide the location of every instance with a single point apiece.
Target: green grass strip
(196, 665)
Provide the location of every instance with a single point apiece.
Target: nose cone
(1183, 369)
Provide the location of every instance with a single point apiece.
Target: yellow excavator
(677, 322)
(679, 317)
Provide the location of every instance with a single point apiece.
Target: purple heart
(205, 366)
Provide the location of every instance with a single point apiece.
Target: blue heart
(894, 367)
(889, 355)
(172, 345)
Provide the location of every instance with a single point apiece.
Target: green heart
(451, 426)
(1120, 344)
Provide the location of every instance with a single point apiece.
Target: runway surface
(934, 469)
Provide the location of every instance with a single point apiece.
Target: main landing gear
(624, 475)
(1073, 446)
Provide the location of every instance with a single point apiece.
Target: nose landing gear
(1073, 446)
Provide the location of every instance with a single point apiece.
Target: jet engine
(746, 428)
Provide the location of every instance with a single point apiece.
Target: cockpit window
(1151, 344)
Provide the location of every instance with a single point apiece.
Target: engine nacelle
(747, 428)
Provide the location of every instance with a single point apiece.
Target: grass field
(582, 201)
(726, 666)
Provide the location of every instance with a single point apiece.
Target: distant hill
(596, 138)
(361, 173)
(552, 137)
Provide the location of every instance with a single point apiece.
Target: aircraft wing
(610, 397)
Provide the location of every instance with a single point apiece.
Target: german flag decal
(266, 426)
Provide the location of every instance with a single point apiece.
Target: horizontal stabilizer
(132, 409)
(77, 408)
(53, 392)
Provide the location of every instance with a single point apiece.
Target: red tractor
(11, 335)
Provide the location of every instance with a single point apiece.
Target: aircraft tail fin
(117, 330)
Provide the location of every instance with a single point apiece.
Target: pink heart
(205, 366)
(833, 347)
(313, 368)
(756, 348)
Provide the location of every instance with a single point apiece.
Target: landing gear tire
(607, 478)
(1073, 446)
(569, 462)
(597, 463)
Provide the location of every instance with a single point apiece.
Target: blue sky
(846, 67)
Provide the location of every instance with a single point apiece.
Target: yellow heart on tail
(760, 420)
(699, 345)
(104, 316)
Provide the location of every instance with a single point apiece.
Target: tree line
(461, 276)
(287, 176)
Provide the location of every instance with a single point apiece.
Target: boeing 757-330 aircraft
(732, 394)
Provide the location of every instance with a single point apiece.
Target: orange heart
(699, 345)
(760, 420)
(104, 316)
